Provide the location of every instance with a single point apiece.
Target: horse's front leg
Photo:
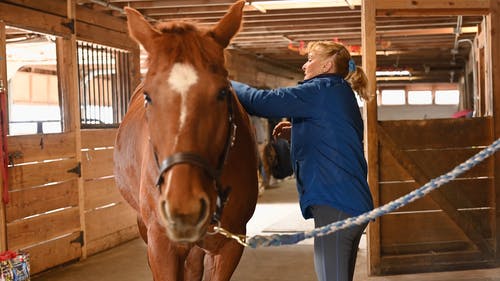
(221, 266)
(166, 259)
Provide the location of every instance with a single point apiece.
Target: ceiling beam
(431, 7)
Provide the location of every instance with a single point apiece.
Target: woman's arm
(298, 101)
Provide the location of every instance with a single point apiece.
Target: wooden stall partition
(369, 64)
(452, 227)
(43, 210)
(3, 82)
(109, 219)
(493, 21)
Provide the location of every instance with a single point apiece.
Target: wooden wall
(260, 73)
(63, 201)
(452, 227)
(43, 216)
(109, 220)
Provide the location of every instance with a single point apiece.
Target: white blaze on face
(182, 77)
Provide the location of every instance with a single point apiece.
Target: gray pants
(335, 254)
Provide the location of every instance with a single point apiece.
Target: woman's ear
(328, 66)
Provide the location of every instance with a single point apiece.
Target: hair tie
(352, 65)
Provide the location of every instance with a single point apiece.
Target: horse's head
(189, 114)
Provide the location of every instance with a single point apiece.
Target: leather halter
(197, 160)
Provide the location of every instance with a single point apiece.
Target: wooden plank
(103, 36)
(493, 22)
(426, 227)
(426, 248)
(478, 191)
(29, 148)
(106, 221)
(433, 262)
(462, 219)
(431, 7)
(33, 20)
(369, 63)
(433, 162)
(112, 240)
(55, 252)
(58, 7)
(26, 232)
(68, 63)
(93, 138)
(97, 163)
(41, 173)
(432, 4)
(101, 192)
(3, 81)
(32, 201)
(440, 133)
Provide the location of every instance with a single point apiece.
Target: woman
(326, 131)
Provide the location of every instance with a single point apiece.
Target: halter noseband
(197, 160)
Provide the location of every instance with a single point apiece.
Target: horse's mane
(187, 42)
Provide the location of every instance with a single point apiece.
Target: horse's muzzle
(182, 225)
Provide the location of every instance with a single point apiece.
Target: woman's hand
(283, 130)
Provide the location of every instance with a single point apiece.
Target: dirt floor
(277, 211)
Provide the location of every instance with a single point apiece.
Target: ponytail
(359, 83)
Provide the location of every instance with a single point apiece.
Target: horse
(185, 155)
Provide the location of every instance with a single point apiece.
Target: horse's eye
(223, 93)
(147, 99)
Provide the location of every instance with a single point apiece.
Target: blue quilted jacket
(326, 140)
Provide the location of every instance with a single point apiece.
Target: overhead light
(263, 6)
(380, 73)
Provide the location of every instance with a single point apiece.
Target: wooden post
(68, 73)
(369, 58)
(494, 32)
(3, 77)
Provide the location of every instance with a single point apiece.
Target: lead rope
(287, 239)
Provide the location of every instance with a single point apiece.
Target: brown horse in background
(185, 155)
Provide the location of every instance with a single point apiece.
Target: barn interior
(70, 69)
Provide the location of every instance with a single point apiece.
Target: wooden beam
(179, 3)
(463, 220)
(432, 7)
(68, 71)
(103, 36)
(3, 79)
(58, 8)
(493, 21)
(426, 31)
(369, 62)
(34, 20)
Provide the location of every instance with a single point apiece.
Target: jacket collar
(325, 75)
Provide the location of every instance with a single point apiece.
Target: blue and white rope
(287, 239)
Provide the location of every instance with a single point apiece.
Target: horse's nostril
(203, 209)
(163, 210)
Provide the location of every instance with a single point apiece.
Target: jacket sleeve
(298, 101)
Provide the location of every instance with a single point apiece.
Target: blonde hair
(341, 56)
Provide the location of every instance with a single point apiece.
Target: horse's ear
(229, 25)
(140, 29)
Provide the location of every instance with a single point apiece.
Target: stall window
(419, 97)
(447, 97)
(34, 103)
(104, 84)
(393, 97)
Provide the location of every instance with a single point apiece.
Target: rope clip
(239, 238)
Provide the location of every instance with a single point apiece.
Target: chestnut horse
(185, 155)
